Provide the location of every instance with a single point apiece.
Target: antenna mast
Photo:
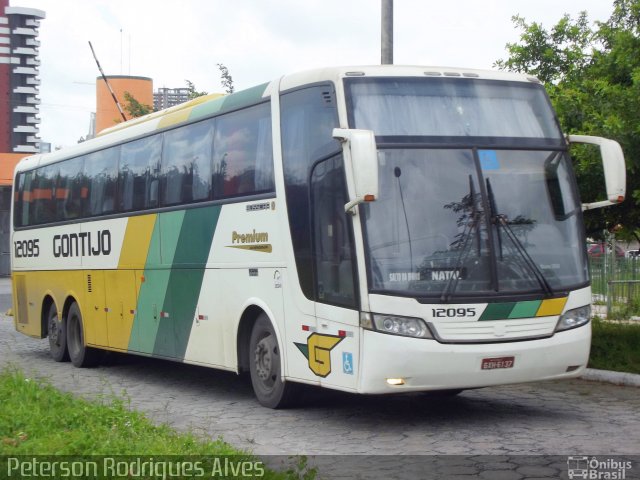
(113, 95)
(387, 32)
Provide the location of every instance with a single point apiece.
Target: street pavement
(568, 418)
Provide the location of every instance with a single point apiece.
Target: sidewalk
(616, 378)
(5, 285)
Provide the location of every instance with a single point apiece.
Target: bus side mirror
(615, 174)
(361, 165)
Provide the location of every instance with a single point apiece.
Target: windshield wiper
(452, 283)
(500, 220)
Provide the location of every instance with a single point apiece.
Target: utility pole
(387, 32)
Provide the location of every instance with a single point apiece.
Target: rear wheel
(57, 332)
(265, 366)
(81, 355)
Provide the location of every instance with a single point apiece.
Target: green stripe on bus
(144, 334)
(206, 109)
(497, 311)
(525, 309)
(234, 101)
(185, 282)
(244, 98)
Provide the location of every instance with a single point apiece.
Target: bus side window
(308, 117)
(186, 164)
(68, 189)
(22, 196)
(334, 265)
(138, 174)
(42, 195)
(18, 201)
(242, 153)
(99, 191)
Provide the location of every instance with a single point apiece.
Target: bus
(377, 230)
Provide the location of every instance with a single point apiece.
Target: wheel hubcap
(266, 360)
(54, 331)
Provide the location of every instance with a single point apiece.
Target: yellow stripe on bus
(136, 241)
(174, 118)
(551, 307)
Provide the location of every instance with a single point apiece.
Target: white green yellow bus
(374, 230)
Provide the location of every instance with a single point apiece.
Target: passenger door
(336, 348)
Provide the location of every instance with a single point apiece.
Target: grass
(615, 346)
(37, 419)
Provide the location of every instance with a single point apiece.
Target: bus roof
(213, 104)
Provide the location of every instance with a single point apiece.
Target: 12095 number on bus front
(453, 312)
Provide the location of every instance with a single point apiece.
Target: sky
(258, 41)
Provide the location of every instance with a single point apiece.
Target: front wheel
(81, 355)
(265, 367)
(57, 333)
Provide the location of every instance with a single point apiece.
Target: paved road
(551, 418)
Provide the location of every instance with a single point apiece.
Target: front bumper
(429, 365)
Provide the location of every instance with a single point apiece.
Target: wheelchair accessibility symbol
(347, 363)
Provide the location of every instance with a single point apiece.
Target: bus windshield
(466, 209)
(447, 109)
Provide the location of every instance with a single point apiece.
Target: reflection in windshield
(435, 230)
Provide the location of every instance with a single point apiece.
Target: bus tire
(57, 333)
(265, 367)
(81, 356)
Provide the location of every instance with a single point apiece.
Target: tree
(225, 79)
(134, 108)
(193, 93)
(592, 74)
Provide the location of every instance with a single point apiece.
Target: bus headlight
(395, 325)
(574, 318)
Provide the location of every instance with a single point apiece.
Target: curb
(616, 378)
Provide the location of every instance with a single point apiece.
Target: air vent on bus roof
(327, 97)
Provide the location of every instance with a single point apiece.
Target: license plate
(498, 362)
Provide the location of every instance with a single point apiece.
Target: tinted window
(42, 195)
(242, 153)
(69, 189)
(308, 119)
(138, 175)
(451, 107)
(22, 197)
(101, 170)
(333, 254)
(186, 163)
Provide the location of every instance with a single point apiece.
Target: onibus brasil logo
(593, 468)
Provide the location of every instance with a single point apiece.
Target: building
(19, 104)
(19, 82)
(169, 97)
(107, 113)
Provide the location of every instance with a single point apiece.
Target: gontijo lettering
(82, 244)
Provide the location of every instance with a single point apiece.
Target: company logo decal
(318, 351)
(254, 241)
(82, 244)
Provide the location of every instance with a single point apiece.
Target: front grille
(493, 331)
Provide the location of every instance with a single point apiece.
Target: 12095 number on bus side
(27, 248)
